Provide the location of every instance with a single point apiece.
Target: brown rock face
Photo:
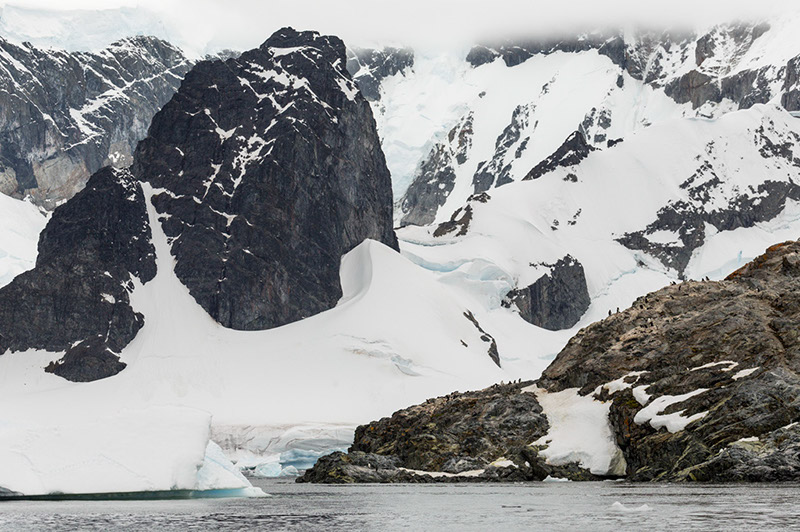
(736, 339)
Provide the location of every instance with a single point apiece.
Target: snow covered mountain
(64, 115)
(598, 164)
(539, 187)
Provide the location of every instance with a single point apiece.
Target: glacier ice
(154, 450)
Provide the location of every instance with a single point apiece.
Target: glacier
(158, 449)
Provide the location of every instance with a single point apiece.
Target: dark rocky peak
(557, 300)
(268, 168)
(369, 67)
(571, 152)
(76, 299)
(65, 115)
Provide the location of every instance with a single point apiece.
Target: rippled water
(542, 506)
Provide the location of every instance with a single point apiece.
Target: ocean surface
(502, 507)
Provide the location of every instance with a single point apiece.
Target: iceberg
(155, 452)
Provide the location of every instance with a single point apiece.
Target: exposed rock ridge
(571, 152)
(65, 115)
(436, 175)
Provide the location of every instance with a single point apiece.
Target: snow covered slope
(636, 216)
(321, 376)
(20, 225)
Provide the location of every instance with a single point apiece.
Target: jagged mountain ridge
(532, 111)
(729, 66)
(65, 115)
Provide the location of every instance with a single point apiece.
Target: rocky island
(695, 382)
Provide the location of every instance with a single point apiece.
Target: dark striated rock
(436, 176)
(79, 290)
(571, 152)
(269, 169)
(65, 115)
(369, 67)
(556, 300)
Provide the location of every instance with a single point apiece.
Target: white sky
(242, 24)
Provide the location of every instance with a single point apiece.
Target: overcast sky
(242, 24)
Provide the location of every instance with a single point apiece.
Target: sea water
(502, 507)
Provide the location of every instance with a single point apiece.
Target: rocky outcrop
(462, 437)
(268, 169)
(557, 300)
(497, 171)
(720, 360)
(571, 152)
(791, 86)
(77, 299)
(701, 381)
(369, 67)
(436, 176)
(65, 115)
(695, 87)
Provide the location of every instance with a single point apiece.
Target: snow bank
(672, 422)
(579, 432)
